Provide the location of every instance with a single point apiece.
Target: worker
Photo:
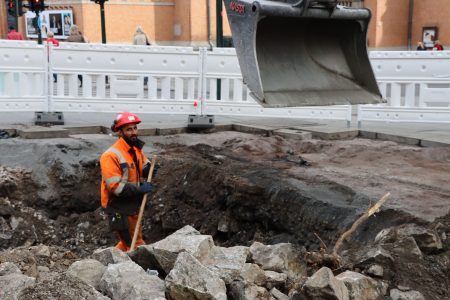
(124, 169)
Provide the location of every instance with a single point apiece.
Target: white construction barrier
(23, 76)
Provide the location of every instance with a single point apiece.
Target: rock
(375, 271)
(406, 295)
(277, 295)
(380, 255)
(323, 285)
(275, 279)
(150, 258)
(8, 268)
(252, 273)
(281, 258)
(163, 254)
(240, 290)
(41, 250)
(377, 256)
(43, 269)
(128, 281)
(5, 231)
(88, 270)
(407, 247)
(227, 262)
(110, 255)
(427, 240)
(362, 287)
(12, 284)
(6, 209)
(189, 279)
(60, 286)
(14, 222)
(32, 270)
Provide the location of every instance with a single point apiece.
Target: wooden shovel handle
(141, 210)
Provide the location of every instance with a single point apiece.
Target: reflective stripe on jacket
(118, 169)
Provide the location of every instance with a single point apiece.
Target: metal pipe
(410, 22)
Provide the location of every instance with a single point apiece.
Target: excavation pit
(237, 187)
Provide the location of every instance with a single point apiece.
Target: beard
(132, 141)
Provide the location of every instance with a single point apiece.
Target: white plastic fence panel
(402, 114)
(23, 73)
(435, 95)
(173, 74)
(398, 70)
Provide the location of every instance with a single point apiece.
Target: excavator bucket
(303, 52)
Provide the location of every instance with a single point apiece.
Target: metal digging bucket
(303, 52)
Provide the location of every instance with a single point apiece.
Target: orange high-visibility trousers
(132, 221)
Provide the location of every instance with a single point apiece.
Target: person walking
(75, 36)
(140, 38)
(51, 40)
(124, 169)
(420, 47)
(14, 35)
(438, 46)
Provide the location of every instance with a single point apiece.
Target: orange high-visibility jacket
(118, 169)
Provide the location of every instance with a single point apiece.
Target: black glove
(146, 187)
(146, 170)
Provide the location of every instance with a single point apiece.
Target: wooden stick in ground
(358, 222)
(141, 210)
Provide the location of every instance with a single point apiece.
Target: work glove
(146, 188)
(146, 170)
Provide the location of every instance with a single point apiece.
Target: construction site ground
(248, 179)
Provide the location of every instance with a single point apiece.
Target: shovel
(141, 210)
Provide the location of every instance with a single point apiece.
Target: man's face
(129, 132)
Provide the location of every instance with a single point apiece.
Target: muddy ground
(237, 187)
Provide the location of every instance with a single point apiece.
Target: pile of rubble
(187, 265)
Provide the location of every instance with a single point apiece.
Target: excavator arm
(303, 52)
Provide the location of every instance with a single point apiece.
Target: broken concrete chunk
(375, 271)
(8, 268)
(283, 258)
(12, 284)
(406, 295)
(88, 270)
(427, 240)
(186, 239)
(240, 290)
(128, 281)
(362, 287)
(110, 255)
(189, 279)
(227, 262)
(275, 279)
(323, 285)
(41, 250)
(278, 295)
(252, 273)
(407, 247)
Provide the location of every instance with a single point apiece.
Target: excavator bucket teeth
(303, 53)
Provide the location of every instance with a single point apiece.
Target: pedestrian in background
(76, 37)
(51, 40)
(437, 46)
(420, 47)
(140, 38)
(14, 35)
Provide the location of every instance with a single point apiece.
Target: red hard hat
(124, 118)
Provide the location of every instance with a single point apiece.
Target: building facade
(395, 25)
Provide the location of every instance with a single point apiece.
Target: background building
(396, 24)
